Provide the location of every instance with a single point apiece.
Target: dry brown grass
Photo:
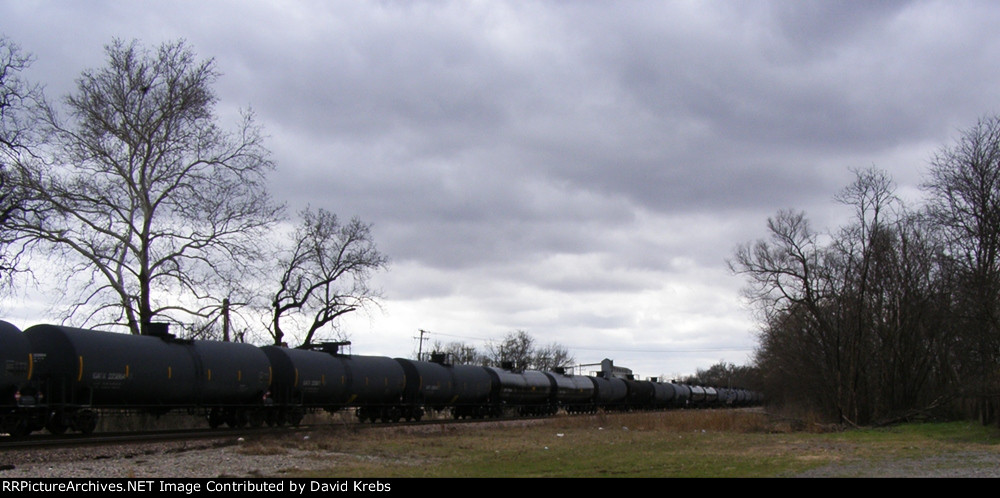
(743, 421)
(639, 444)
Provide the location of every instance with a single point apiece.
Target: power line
(618, 350)
(647, 350)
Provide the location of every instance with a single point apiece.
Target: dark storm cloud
(634, 103)
(813, 27)
(577, 168)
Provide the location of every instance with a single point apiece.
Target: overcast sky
(577, 170)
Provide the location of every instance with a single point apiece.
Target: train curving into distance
(61, 378)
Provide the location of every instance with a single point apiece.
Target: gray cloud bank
(579, 170)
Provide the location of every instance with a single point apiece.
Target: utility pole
(420, 348)
(225, 320)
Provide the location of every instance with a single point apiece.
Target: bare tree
(785, 271)
(458, 353)
(861, 252)
(858, 327)
(325, 274)
(20, 103)
(515, 348)
(518, 348)
(790, 284)
(964, 188)
(147, 197)
(724, 374)
(551, 357)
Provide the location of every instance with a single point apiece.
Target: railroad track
(44, 440)
(60, 441)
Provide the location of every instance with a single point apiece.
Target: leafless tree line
(726, 375)
(895, 313)
(517, 349)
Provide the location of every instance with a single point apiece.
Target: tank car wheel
(21, 429)
(16, 426)
(242, 417)
(55, 424)
(294, 417)
(215, 418)
(256, 418)
(366, 414)
(85, 421)
(56, 427)
(392, 415)
(236, 418)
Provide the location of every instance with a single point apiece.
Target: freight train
(61, 378)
